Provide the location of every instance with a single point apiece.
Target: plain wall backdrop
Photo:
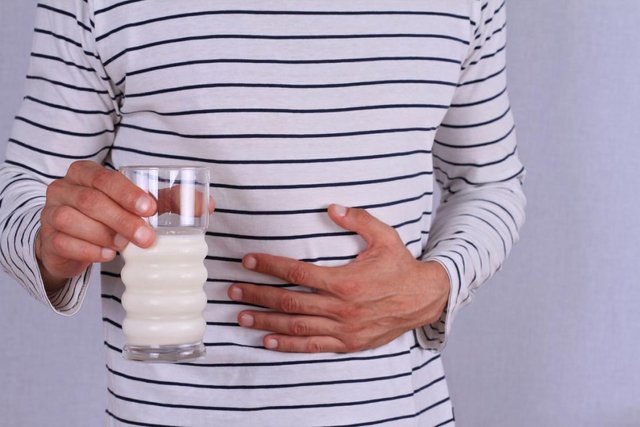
(551, 340)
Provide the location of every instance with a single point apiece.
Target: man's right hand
(89, 215)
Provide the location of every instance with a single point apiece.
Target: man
(332, 285)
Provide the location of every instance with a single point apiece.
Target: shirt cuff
(434, 336)
(67, 300)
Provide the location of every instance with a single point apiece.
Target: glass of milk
(164, 294)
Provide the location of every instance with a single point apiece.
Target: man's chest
(290, 55)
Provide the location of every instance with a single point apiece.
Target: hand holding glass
(164, 296)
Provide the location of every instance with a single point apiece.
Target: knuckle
(394, 236)
(88, 254)
(259, 320)
(264, 322)
(45, 215)
(61, 217)
(53, 189)
(299, 328)
(46, 230)
(347, 312)
(101, 179)
(314, 346)
(352, 330)
(363, 217)
(350, 347)
(256, 298)
(289, 304)
(297, 275)
(126, 224)
(251, 297)
(349, 289)
(76, 167)
(353, 345)
(58, 243)
(87, 199)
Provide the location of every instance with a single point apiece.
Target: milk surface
(164, 296)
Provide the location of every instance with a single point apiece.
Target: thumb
(370, 228)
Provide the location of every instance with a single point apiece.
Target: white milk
(164, 297)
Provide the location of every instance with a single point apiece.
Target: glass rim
(161, 167)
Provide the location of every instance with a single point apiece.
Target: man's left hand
(367, 303)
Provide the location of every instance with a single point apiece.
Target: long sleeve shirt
(293, 106)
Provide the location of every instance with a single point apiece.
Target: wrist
(440, 276)
(436, 286)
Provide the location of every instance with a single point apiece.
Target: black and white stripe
(293, 105)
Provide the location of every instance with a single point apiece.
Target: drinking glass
(164, 297)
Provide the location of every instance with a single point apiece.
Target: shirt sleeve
(477, 167)
(68, 113)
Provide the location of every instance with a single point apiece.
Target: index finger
(171, 200)
(291, 270)
(114, 184)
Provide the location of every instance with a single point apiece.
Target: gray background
(550, 341)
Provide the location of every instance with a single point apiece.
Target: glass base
(164, 353)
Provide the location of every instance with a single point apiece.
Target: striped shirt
(293, 105)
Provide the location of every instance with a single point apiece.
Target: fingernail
(119, 241)
(270, 343)
(236, 294)
(249, 262)
(143, 234)
(143, 204)
(246, 320)
(108, 254)
(339, 210)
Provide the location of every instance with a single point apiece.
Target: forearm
(21, 201)
(472, 235)
(474, 232)
(22, 197)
